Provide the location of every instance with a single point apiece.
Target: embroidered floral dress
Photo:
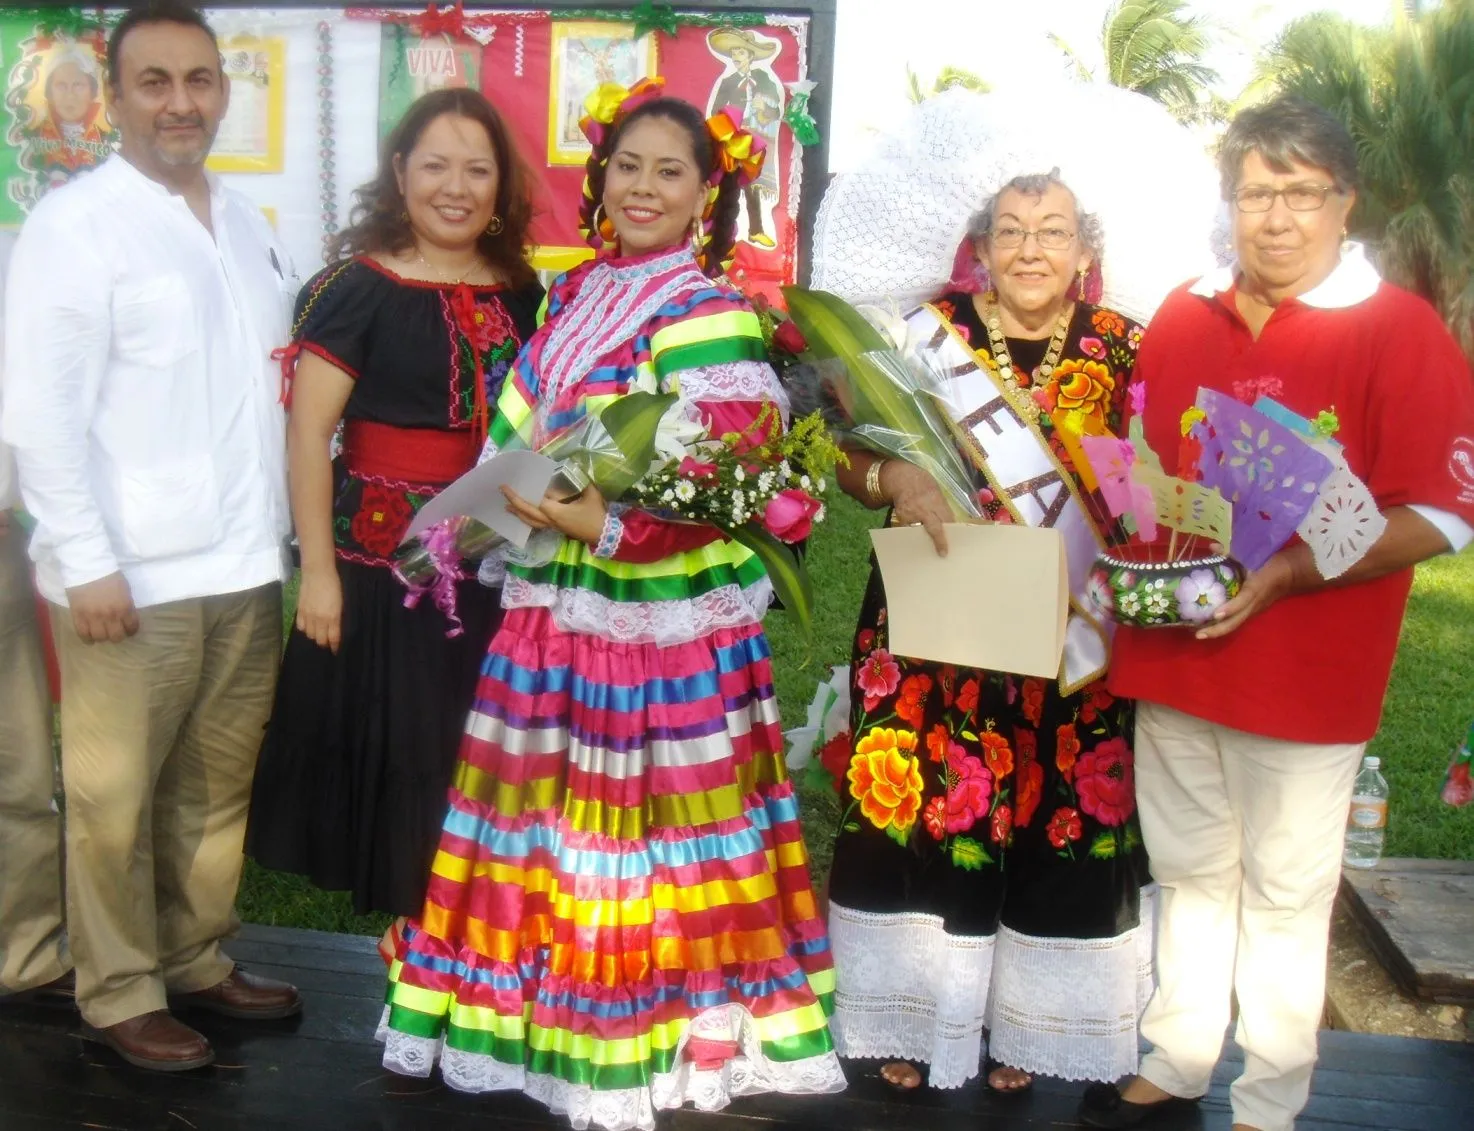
(350, 787)
(988, 866)
(620, 918)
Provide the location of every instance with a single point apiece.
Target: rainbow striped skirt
(620, 917)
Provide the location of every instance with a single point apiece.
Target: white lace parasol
(888, 231)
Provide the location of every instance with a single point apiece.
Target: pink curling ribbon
(439, 544)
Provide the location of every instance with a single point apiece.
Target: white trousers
(1245, 836)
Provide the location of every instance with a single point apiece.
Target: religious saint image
(749, 84)
(586, 55)
(252, 134)
(56, 104)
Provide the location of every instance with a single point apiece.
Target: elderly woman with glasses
(987, 872)
(1250, 731)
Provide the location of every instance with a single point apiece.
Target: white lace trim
(630, 1109)
(907, 989)
(643, 622)
(732, 381)
(1066, 1008)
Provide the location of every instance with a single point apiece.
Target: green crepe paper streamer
(800, 121)
(73, 22)
(650, 17)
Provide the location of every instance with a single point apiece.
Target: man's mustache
(175, 123)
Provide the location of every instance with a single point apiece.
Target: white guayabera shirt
(140, 394)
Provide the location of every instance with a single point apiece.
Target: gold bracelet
(872, 483)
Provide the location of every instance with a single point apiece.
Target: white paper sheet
(478, 494)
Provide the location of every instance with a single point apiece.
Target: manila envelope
(998, 600)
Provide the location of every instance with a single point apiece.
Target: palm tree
(1406, 93)
(947, 78)
(1155, 48)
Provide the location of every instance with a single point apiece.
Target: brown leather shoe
(155, 1041)
(58, 994)
(246, 997)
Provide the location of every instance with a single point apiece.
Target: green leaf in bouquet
(790, 580)
(615, 450)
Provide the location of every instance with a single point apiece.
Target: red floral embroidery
(934, 817)
(1095, 699)
(1106, 783)
(484, 324)
(1064, 827)
(967, 698)
(866, 640)
(911, 706)
(938, 741)
(1033, 700)
(1001, 829)
(835, 756)
(877, 675)
(969, 788)
(1029, 777)
(382, 518)
(997, 753)
(947, 680)
(1066, 750)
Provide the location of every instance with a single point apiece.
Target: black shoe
(58, 994)
(1104, 1107)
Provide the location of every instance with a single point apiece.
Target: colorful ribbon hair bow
(610, 102)
(738, 150)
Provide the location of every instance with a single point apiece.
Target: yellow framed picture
(586, 54)
(252, 135)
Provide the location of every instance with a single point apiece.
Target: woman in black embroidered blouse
(406, 340)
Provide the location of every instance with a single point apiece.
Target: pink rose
(1105, 782)
(969, 788)
(789, 516)
(1458, 789)
(696, 469)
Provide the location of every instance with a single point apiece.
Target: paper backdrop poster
(537, 72)
(55, 112)
(411, 65)
(252, 135)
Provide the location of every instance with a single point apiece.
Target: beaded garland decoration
(327, 171)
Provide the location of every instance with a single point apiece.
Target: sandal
(991, 1066)
(1103, 1106)
(908, 1070)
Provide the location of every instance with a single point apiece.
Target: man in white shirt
(140, 398)
(33, 960)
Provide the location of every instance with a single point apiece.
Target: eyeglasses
(1052, 239)
(1298, 198)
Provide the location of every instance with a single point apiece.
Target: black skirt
(350, 789)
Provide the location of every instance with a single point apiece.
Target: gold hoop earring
(494, 225)
(698, 233)
(404, 215)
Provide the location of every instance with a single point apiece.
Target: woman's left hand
(580, 518)
(1262, 588)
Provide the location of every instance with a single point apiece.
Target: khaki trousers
(32, 938)
(1245, 836)
(159, 742)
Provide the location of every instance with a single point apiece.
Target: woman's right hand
(320, 607)
(916, 500)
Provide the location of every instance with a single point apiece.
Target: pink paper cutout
(1111, 460)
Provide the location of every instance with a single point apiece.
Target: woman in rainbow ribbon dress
(620, 917)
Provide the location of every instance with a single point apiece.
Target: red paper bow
(286, 357)
(441, 21)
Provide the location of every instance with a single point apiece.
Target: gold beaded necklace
(1006, 369)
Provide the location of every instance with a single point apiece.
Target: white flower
(667, 495)
(821, 486)
(819, 514)
(785, 472)
(685, 491)
(765, 482)
(1199, 595)
(805, 482)
(1128, 604)
(739, 475)
(679, 428)
(739, 496)
(1156, 602)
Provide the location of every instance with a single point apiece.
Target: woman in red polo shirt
(1249, 732)
(406, 340)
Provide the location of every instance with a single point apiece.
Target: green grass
(1430, 702)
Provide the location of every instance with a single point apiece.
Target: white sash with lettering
(1021, 469)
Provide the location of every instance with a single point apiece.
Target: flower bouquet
(1249, 478)
(873, 393)
(1458, 785)
(759, 487)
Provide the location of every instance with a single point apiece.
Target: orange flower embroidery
(1086, 386)
(911, 704)
(937, 741)
(997, 753)
(1033, 699)
(885, 778)
(1108, 322)
(1066, 750)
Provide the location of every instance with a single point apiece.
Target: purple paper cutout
(1269, 475)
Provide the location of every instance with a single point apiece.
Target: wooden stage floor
(321, 1072)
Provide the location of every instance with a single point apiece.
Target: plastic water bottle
(1366, 826)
